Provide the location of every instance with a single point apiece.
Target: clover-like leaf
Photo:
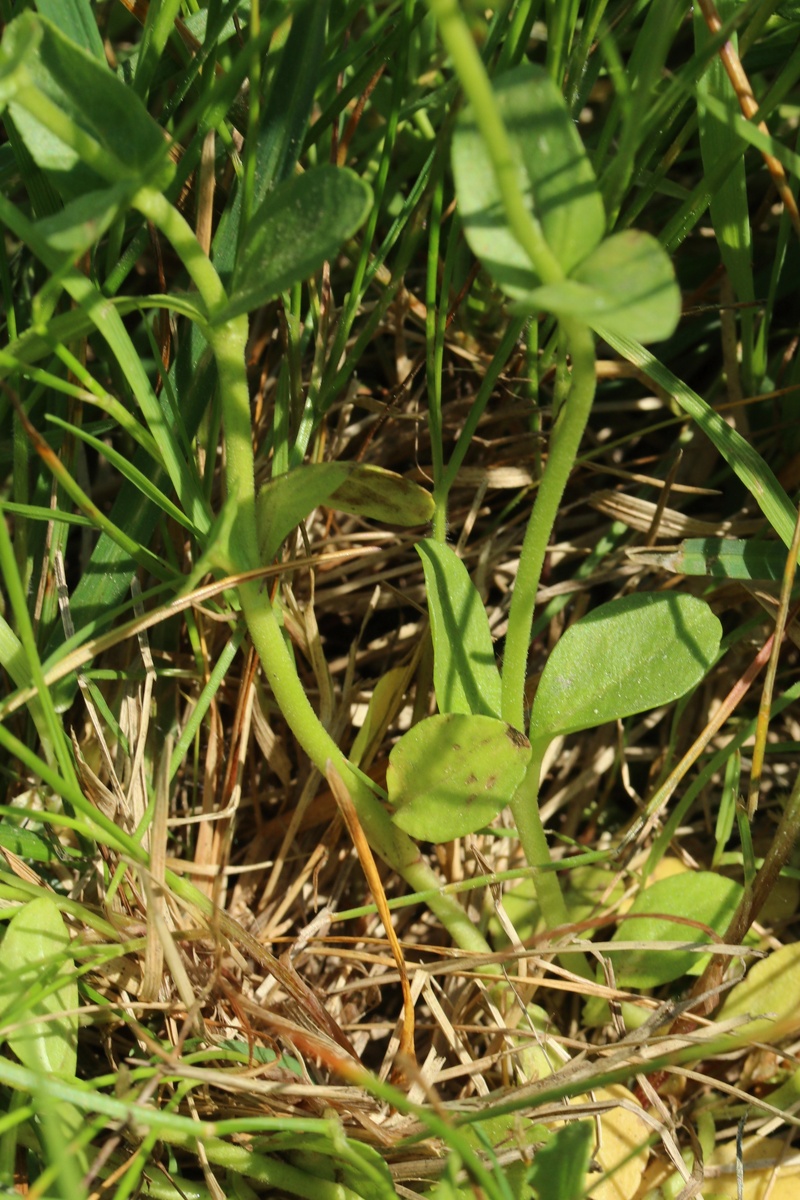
(627, 285)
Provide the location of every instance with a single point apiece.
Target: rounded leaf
(627, 285)
(301, 224)
(451, 774)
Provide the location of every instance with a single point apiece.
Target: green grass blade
(729, 209)
(748, 464)
(108, 323)
(75, 19)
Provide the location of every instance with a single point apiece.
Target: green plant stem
(530, 831)
(269, 1170)
(564, 445)
(239, 551)
(477, 86)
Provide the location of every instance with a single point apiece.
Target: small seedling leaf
(451, 774)
(35, 954)
(627, 285)
(768, 994)
(357, 488)
(559, 1168)
(624, 657)
(300, 225)
(555, 176)
(696, 896)
(465, 673)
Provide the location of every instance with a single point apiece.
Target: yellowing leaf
(769, 994)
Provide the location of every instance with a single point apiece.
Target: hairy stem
(564, 444)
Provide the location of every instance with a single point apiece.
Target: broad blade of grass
(76, 20)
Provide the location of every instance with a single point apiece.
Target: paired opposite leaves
(624, 284)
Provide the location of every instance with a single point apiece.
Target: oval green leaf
(465, 673)
(624, 657)
(555, 176)
(300, 225)
(36, 980)
(627, 285)
(381, 495)
(695, 895)
(451, 774)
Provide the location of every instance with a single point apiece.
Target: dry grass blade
(370, 868)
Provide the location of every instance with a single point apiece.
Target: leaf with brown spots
(451, 774)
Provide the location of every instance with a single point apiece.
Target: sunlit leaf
(627, 285)
(33, 955)
(451, 774)
(624, 657)
(465, 673)
(768, 994)
(719, 558)
(697, 896)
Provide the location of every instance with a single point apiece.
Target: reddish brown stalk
(765, 706)
(370, 869)
(747, 102)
